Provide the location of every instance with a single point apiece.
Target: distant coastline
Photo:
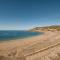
(46, 28)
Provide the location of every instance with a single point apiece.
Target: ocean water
(12, 35)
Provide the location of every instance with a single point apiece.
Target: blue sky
(26, 14)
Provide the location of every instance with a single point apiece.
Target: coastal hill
(47, 28)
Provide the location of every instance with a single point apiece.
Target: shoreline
(25, 40)
(18, 38)
(26, 44)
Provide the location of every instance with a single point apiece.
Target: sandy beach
(33, 48)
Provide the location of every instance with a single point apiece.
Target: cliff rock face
(47, 28)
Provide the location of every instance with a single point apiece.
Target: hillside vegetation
(47, 28)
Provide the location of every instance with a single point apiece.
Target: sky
(27, 14)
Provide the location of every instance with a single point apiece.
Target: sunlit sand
(31, 48)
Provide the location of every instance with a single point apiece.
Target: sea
(7, 35)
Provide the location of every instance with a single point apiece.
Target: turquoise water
(9, 35)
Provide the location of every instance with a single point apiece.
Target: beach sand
(32, 48)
